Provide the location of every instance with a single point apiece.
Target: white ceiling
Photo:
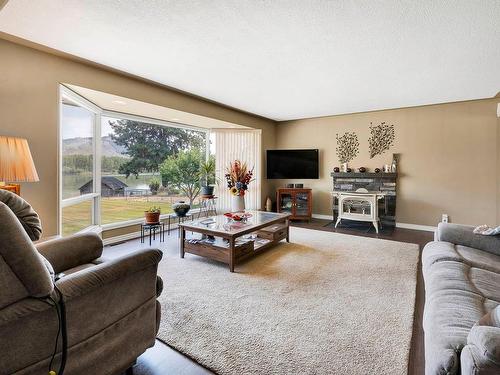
(283, 59)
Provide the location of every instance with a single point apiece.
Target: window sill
(129, 223)
(97, 229)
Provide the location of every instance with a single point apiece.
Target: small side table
(208, 206)
(181, 219)
(151, 230)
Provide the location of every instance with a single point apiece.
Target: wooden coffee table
(224, 240)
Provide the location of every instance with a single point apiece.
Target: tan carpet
(326, 303)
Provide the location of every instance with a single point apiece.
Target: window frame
(99, 113)
(64, 92)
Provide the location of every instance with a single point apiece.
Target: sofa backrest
(22, 270)
(464, 235)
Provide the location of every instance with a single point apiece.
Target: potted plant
(154, 185)
(207, 176)
(152, 215)
(181, 208)
(238, 176)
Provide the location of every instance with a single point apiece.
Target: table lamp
(16, 163)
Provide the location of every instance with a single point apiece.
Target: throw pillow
(487, 231)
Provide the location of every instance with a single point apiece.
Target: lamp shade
(16, 163)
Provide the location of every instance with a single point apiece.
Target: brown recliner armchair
(112, 313)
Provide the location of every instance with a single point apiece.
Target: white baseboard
(121, 238)
(426, 228)
(324, 217)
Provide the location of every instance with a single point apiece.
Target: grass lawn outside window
(115, 210)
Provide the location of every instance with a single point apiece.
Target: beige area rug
(326, 303)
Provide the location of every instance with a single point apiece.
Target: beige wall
(448, 159)
(498, 164)
(29, 83)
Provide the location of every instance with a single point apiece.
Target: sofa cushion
(479, 258)
(438, 251)
(451, 275)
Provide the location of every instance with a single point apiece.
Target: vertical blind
(243, 145)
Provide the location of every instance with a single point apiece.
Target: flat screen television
(303, 164)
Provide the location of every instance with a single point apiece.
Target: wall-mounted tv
(303, 164)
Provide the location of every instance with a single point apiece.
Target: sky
(78, 123)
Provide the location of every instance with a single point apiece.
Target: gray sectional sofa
(462, 296)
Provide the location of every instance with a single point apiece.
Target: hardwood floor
(162, 360)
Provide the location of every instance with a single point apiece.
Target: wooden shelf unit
(295, 201)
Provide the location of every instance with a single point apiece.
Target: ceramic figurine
(394, 165)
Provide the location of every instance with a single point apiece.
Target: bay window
(110, 164)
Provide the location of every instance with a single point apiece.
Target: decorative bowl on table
(238, 216)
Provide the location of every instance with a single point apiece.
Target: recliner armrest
(69, 252)
(464, 235)
(88, 279)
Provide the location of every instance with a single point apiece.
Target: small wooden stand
(294, 201)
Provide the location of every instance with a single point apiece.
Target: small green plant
(154, 185)
(207, 171)
(154, 210)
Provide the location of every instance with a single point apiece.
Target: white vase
(269, 205)
(237, 203)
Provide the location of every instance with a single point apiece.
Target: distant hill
(83, 146)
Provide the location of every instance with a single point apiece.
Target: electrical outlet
(445, 218)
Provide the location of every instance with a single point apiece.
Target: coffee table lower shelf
(222, 254)
(221, 251)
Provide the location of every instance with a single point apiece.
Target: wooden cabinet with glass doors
(297, 202)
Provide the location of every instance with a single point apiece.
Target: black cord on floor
(60, 308)
(58, 333)
(64, 331)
